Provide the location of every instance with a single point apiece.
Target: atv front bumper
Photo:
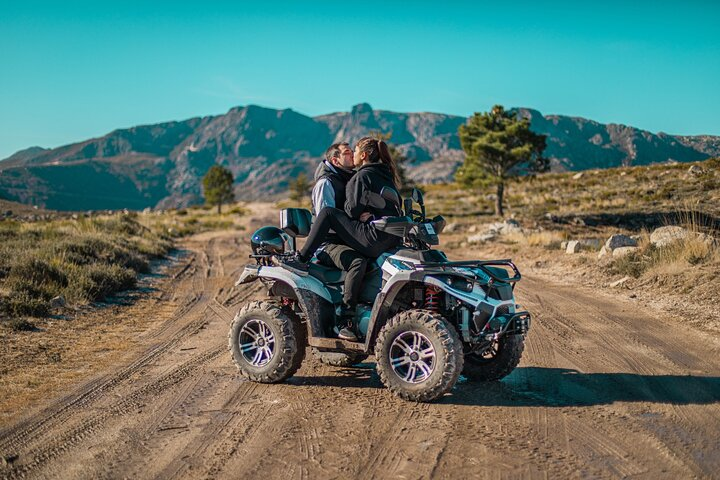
(506, 324)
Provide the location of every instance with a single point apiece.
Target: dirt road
(604, 390)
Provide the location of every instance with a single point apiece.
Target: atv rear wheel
(419, 355)
(339, 359)
(497, 362)
(267, 342)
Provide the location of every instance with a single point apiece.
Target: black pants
(353, 262)
(360, 236)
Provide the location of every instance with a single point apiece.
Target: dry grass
(547, 238)
(699, 247)
(615, 190)
(87, 259)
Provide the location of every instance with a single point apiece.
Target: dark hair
(378, 152)
(334, 150)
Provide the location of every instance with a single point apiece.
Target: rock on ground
(622, 251)
(664, 236)
(619, 240)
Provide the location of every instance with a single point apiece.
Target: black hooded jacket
(338, 178)
(363, 190)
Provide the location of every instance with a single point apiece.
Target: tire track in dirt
(23, 436)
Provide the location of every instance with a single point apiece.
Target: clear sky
(74, 70)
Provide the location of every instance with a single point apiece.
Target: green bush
(23, 303)
(98, 281)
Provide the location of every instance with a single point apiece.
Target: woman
(375, 170)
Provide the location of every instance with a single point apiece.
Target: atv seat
(325, 274)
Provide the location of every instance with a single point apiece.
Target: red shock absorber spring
(432, 298)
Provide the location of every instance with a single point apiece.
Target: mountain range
(161, 165)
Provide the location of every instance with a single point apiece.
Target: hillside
(161, 165)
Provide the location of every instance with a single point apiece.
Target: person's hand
(365, 216)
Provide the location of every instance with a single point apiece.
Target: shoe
(347, 329)
(347, 333)
(295, 264)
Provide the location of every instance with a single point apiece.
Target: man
(331, 177)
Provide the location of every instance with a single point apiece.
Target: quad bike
(426, 319)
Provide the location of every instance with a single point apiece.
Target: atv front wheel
(267, 343)
(339, 359)
(497, 361)
(419, 355)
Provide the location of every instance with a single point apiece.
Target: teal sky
(72, 70)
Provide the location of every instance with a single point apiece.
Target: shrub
(23, 303)
(36, 272)
(21, 325)
(97, 282)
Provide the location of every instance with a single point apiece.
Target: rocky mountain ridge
(161, 165)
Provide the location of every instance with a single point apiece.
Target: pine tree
(299, 188)
(217, 186)
(499, 145)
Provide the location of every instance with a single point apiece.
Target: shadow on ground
(561, 387)
(548, 387)
(637, 221)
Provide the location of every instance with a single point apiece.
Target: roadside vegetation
(560, 224)
(50, 266)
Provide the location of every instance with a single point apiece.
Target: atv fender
(311, 294)
(250, 274)
(392, 288)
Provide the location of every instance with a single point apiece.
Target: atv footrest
(336, 344)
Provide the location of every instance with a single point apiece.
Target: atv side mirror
(417, 197)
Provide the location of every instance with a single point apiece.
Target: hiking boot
(347, 328)
(294, 263)
(348, 333)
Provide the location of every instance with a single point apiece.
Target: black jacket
(338, 178)
(363, 192)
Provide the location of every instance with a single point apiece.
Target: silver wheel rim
(412, 357)
(257, 343)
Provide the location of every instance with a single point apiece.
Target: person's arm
(323, 195)
(355, 193)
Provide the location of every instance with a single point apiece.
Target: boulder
(481, 237)
(664, 236)
(450, 227)
(590, 243)
(563, 244)
(57, 302)
(695, 170)
(622, 251)
(576, 246)
(619, 240)
(604, 251)
(578, 176)
(573, 246)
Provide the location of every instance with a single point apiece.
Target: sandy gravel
(604, 390)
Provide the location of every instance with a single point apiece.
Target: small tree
(299, 188)
(499, 145)
(217, 186)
